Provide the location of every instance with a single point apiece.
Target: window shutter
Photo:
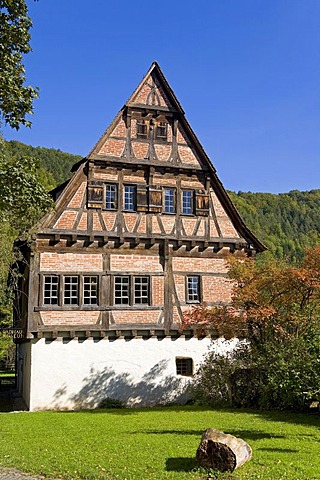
(155, 199)
(95, 194)
(142, 198)
(202, 203)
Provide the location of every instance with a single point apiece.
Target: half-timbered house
(138, 235)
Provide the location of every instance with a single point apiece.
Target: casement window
(187, 204)
(131, 290)
(141, 129)
(90, 290)
(193, 289)
(162, 131)
(169, 200)
(111, 197)
(184, 366)
(141, 290)
(71, 290)
(51, 290)
(76, 290)
(129, 198)
(122, 290)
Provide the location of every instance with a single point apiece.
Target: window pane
(169, 200)
(71, 291)
(187, 202)
(193, 289)
(111, 197)
(141, 290)
(161, 131)
(90, 290)
(184, 366)
(141, 129)
(129, 197)
(50, 290)
(122, 290)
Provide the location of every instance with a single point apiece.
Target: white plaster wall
(79, 374)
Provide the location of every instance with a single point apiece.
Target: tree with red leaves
(276, 306)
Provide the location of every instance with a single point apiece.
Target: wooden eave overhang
(107, 161)
(101, 239)
(119, 331)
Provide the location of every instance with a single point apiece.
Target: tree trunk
(222, 451)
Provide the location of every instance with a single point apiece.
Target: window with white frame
(129, 198)
(90, 290)
(131, 290)
(187, 202)
(122, 290)
(77, 290)
(111, 196)
(141, 290)
(51, 290)
(71, 290)
(193, 289)
(169, 200)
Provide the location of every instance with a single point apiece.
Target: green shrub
(111, 403)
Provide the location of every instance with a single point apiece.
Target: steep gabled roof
(174, 105)
(155, 94)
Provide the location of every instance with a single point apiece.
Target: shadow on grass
(279, 450)
(290, 417)
(181, 464)
(245, 434)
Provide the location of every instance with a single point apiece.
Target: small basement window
(184, 366)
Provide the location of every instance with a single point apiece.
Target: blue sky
(247, 73)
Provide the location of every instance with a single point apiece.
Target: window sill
(68, 308)
(88, 308)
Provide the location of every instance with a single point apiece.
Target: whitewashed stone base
(80, 374)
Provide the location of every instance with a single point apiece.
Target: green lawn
(7, 373)
(155, 444)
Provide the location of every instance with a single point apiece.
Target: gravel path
(14, 474)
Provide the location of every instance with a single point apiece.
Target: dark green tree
(16, 99)
(23, 200)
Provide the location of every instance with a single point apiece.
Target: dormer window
(162, 131)
(141, 129)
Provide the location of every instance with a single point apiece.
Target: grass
(156, 444)
(6, 373)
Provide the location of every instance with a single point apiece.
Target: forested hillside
(285, 223)
(56, 162)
